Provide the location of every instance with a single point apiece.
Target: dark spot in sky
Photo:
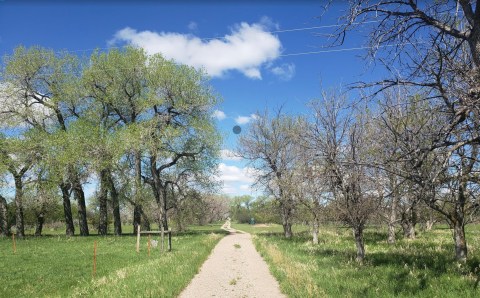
(237, 129)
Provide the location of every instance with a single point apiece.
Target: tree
(40, 91)
(434, 46)
(340, 139)
(269, 146)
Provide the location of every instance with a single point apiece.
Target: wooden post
(138, 238)
(148, 244)
(169, 239)
(94, 259)
(14, 243)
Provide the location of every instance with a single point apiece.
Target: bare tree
(433, 46)
(340, 139)
(269, 146)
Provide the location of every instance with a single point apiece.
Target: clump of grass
(236, 245)
(233, 282)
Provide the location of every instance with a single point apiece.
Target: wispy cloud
(226, 154)
(192, 26)
(285, 72)
(246, 49)
(219, 115)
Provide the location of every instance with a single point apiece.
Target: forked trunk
(67, 210)
(358, 234)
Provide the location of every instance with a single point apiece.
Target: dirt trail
(234, 269)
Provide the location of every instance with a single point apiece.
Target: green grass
(56, 266)
(424, 267)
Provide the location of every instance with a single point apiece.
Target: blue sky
(250, 61)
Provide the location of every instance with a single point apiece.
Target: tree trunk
(4, 231)
(286, 220)
(358, 234)
(137, 207)
(67, 210)
(460, 241)
(79, 196)
(39, 224)
(392, 219)
(19, 207)
(144, 220)
(409, 220)
(117, 221)
(315, 231)
(164, 210)
(102, 202)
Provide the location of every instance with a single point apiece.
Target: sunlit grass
(424, 267)
(57, 266)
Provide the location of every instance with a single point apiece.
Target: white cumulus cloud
(245, 49)
(219, 115)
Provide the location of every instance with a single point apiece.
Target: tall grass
(56, 266)
(424, 267)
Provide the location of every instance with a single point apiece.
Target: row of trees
(412, 140)
(138, 126)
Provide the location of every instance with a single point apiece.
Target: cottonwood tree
(341, 142)
(40, 92)
(269, 147)
(18, 156)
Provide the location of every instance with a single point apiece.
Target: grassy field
(424, 267)
(56, 266)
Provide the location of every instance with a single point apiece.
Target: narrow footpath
(234, 269)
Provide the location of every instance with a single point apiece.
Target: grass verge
(57, 266)
(424, 267)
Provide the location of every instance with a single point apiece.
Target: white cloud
(219, 115)
(235, 174)
(245, 119)
(192, 26)
(226, 154)
(285, 71)
(245, 49)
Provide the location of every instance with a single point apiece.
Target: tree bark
(315, 231)
(79, 196)
(392, 219)
(19, 221)
(117, 221)
(39, 224)
(286, 217)
(460, 241)
(358, 234)
(4, 231)
(67, 210)
(137, 207)
(102, 202)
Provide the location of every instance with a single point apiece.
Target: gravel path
(234, 269)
